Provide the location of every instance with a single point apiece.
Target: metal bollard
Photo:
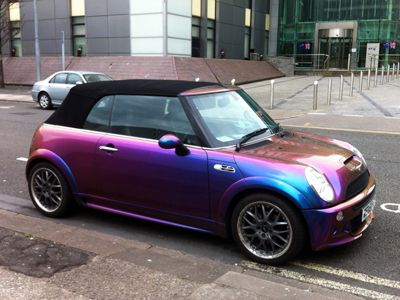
(348, 62)
(369, 79)
(315, 98)
(361, 81)
(272, 94)
(376, 77)
(382, 74)
(388, 74)
(341, 88)
(329, 96)
(393, 70)
(233, 81)
(351, 84)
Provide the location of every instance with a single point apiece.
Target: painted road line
(6, 107)
(330, 284)
(349, 274)
(316, 113)
(24, 159)
(343, 129)
(356, 116)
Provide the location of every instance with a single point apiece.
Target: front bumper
(35, 95)
(326, 231)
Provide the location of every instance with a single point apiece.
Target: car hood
(293, 150)
(301, 148)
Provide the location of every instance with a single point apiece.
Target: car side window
(59, 78)
(151, 117)
(99, 117)
(73, 78)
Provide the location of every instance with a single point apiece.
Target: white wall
(148, 32)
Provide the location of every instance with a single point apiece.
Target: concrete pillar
(274, 27)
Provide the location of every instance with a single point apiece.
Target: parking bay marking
(349, 274)
(330, 284)
(6, 107)
(23, 159)
(391, 207)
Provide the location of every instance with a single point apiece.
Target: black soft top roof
(83, 97)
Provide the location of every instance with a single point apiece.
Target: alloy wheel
(264, 230)
(46, 188)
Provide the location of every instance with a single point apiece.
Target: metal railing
(311, 61)
(377, 61)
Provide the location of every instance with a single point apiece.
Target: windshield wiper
(248, 136)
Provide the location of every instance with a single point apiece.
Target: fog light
(340, 216)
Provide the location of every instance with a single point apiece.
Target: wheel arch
(290, 199)
(42, 155)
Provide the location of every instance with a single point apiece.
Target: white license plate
(367, 210)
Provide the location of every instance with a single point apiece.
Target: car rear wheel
(267, 229)
(49, 191)
(45, 100)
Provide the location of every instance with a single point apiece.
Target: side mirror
(79, 82)
(170, 141)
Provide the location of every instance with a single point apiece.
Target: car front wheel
(44, 101)
(267, 229)
(49, 191)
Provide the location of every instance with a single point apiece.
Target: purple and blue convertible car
(201, 156)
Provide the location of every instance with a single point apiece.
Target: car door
(58, 88)
(134, 173)
(71, 81)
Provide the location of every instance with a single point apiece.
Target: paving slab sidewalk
(116, 268)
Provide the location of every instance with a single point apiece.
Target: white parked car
(53, 90)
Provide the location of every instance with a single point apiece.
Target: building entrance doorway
(338, 49)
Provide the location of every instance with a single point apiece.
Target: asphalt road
(369, 267)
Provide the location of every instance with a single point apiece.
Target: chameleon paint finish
(198, 190)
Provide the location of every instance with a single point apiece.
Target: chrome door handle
(108, 148)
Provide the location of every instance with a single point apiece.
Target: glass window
(196, 29)
(210, 38)
(60, 78)
(15, 38)
(14, 11)
(211, 9)
(99, 117)
(73, 78)
(151, 117)
(79, 36)
(77, 8)
(228, 116)
(247, 20)
(96, 77)
(196, 8)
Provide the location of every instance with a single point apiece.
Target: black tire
(44, 101)
(49, 191)
(265, 238)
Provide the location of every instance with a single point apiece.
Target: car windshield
(229, 116)
(96, 77)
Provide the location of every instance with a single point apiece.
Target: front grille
(357, 185)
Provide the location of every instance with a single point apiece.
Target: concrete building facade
(200, 28)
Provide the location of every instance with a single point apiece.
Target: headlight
(358, 153)
(320, 184)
